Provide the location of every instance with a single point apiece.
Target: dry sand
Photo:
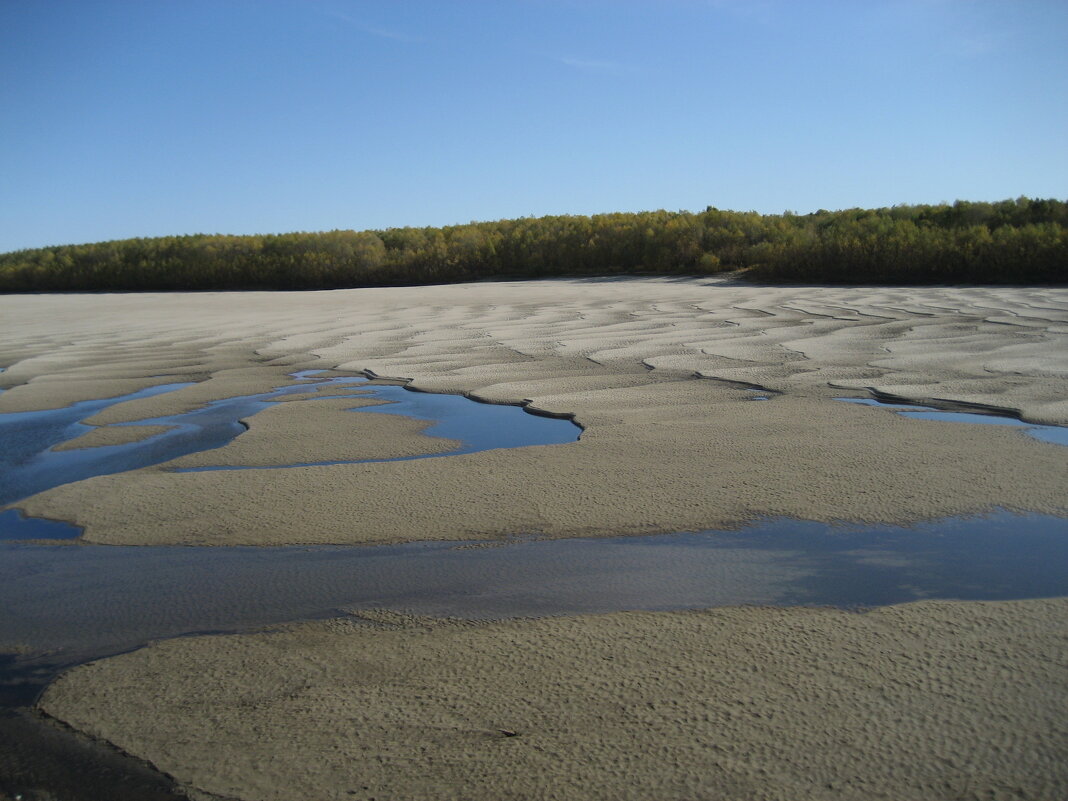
(929, 700)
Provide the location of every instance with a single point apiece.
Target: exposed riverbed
(933, 698)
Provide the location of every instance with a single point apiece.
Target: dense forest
(1013, 241)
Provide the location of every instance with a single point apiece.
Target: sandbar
(924, 701)
(103, 436)
(296, 428)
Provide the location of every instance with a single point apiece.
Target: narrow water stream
(1057, 435)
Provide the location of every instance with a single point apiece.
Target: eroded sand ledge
(663, 450)
(923, 701)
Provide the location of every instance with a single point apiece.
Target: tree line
(1012, 241)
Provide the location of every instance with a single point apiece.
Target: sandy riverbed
(922, 701)
(663, 450)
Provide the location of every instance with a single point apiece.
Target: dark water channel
(84, 600)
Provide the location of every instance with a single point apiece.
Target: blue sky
(154, 117)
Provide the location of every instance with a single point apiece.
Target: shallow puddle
(915, 411)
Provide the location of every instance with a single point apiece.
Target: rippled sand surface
(650, 367)
(919, 702)
(927, 700)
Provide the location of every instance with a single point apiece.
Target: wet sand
(295, 430)
(104, 436)
(926, 700)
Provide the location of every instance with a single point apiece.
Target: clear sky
(123, 118)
